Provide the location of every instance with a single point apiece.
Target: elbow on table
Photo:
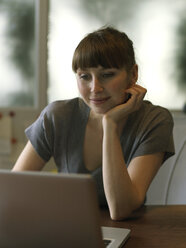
(118, 216)
(115, 217)
(125, 212)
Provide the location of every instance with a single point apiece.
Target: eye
(108, 74)
(84, 76)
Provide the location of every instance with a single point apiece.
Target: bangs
(107, 48)
(95, 54)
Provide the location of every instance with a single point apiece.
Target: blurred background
(38, 38)
(157, 28)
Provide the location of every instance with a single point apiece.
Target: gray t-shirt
(59, 132)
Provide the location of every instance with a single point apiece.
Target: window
(23, 59)
(157, 28)
(17, 54)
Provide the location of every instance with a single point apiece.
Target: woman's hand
(120, 112)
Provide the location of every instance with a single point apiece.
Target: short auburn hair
(106, 47)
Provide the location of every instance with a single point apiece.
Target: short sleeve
(156, 134)
(40, 134)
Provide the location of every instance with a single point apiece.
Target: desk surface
(153, 226)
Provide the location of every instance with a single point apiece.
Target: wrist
(109, 124)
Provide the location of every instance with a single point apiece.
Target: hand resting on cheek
(120, 112)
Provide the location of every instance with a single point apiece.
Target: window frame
(22, 116)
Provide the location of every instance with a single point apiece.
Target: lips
(99, 100)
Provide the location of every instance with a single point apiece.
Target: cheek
(118, 89)
(82, 89)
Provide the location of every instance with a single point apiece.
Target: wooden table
(153, 226)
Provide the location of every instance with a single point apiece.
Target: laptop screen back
(40, 209)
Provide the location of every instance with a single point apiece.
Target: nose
(96, 85)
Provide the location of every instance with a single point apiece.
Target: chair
(169, 185)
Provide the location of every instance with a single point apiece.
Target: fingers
(121, 111)
(137, 90)
(137, 95)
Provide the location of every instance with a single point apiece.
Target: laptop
(42, 209)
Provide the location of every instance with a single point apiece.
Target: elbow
(118, 217)
(124, 212)
(119, 212)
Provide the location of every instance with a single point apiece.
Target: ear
(134, 74)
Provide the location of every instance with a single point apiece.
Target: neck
(95, 120)
(95, 116)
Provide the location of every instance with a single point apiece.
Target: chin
(101, 111)
(104, 109)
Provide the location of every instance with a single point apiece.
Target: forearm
(121, 194)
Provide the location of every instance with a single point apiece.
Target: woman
(111, 132)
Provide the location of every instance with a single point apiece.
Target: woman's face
(103, 89)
